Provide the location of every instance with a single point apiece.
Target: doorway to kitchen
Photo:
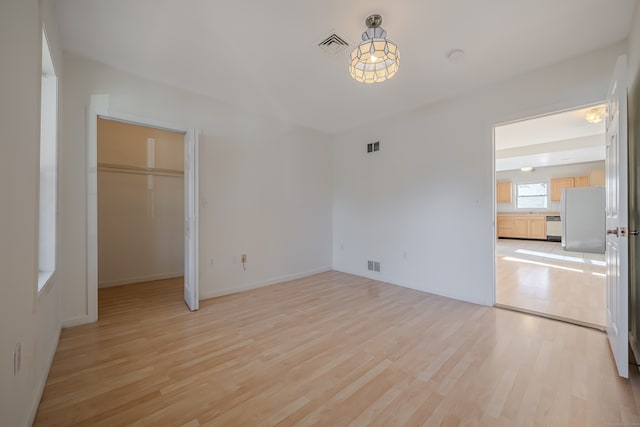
(550, 215)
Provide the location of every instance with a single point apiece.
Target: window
(531, 196)
(48, 168)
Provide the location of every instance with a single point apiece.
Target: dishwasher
(554, 228)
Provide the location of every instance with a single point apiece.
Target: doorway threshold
(552, 317)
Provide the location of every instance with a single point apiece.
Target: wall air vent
(333, 44)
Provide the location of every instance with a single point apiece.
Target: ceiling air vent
(333, 44)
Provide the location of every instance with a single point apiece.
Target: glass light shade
(376, 59)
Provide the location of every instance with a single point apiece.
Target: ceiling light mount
(376, 59)
(373, 21)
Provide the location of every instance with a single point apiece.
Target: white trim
(139, 279)
(234, 290)
(99, 107)
(76, 321)
(39, 387)
(192, 216)
(494, 213)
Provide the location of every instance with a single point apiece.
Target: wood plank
(329, 349)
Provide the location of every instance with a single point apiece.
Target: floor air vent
(333, 44)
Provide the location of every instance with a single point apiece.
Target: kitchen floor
(542, 277)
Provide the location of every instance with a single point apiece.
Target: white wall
(25, 317)
(543, 174)
(265, 187)
(429, 191)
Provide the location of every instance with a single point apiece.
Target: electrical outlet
(17, 359)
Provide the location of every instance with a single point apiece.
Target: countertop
(529, 213)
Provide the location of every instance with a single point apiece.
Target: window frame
(48, 170)
(546, 195)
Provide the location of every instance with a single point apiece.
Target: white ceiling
(553, 127)
(555, 139)
(262, 55)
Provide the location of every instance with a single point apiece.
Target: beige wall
(140, 214)
(126, 144)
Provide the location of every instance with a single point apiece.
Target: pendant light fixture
(376, 59)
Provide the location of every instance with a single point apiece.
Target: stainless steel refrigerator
(583, 219)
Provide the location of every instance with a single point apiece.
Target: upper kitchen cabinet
(503, 192)
(581, 181)
(559, 184)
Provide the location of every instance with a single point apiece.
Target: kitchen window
(531, 195)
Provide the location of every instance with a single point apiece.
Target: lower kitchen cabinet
(538, 228)
(522, 227)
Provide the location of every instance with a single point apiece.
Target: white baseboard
(234, 290)
(380, 278)
(42, 381)
(76, 321)
(132, 280)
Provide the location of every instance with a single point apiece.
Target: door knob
(614, 231)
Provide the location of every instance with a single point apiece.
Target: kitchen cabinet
(581, 181)
(538, 228)
(559, 184)
(522, 227)
(503, 192)
(504, 225)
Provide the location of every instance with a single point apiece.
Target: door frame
(99, 107)
(543, 112)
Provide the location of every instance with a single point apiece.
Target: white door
(617, 247)
(191, 293)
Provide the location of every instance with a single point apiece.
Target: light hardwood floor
(332, 350)
(541, 276)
